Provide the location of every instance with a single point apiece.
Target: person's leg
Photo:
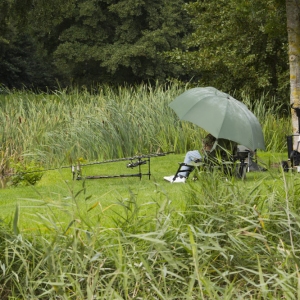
(181, 176)
(189, 157)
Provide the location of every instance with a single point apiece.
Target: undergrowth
(232, 241)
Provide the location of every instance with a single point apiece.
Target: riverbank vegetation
(127, 238)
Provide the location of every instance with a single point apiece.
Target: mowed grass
(57, 193)
(60, 198)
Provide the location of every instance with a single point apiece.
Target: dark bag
(295, 158)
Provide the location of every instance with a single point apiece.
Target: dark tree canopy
(234, 45)
(237, 45)
(111, 41)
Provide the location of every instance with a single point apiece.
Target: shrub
(25, 174)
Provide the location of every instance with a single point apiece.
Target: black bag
(295, 158)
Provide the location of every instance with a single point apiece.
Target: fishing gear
(135, 161)
(139, 161)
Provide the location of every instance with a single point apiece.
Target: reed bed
(61, 127)
(274, 118)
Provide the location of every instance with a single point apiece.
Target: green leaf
(16, 221)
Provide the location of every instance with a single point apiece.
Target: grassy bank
(126, 238)
(214, 238)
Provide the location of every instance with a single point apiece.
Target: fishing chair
(231, 163)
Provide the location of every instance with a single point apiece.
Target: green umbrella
(221, 115)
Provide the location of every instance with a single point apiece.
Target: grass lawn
(56, 197)
(222, 238)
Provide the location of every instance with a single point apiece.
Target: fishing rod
(127, 158)
(76, 169)
(141, 160)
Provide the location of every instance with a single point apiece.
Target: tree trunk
(293, 28)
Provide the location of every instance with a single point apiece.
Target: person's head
(208, 142)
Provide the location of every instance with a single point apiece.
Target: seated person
(212, 149)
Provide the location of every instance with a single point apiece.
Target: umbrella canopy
(221, 115)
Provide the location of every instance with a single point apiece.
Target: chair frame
(235, 165)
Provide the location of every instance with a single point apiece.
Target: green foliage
(5, 156)
(5, 6)
(110, 41)
(22, 66)
(56, 129)
(232, 239)
(25, 173)
(275, 119)
(237, 46)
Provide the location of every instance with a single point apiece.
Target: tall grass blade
(16, 220)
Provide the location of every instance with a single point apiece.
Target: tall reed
(232, 241)
(63, 126)
(274, 118)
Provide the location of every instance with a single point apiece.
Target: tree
(21, 64)
(293, 28)
(237, 45)
(6, 31)
(144, 30)
(115, 41)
